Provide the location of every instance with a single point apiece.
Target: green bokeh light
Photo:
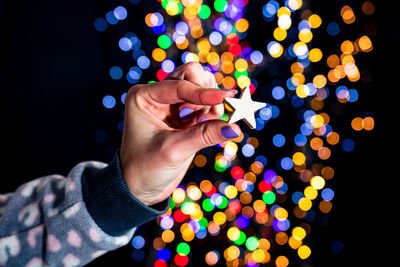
(164, 41)
(269, 197)
(207, 205)
(183, 248)
(252, 243)
(204, 12)
(220, 5)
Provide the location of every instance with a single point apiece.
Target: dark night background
(54, 73)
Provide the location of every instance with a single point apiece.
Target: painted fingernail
(228, 133)
(185, 111)
(203, 119)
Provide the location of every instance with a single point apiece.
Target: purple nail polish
(185, 111)
(228, 133)
(203, 119)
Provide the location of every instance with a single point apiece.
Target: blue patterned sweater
(70, 221)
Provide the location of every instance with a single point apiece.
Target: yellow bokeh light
(302, 91)
(219, 218)
(299, 158)
(193, 192)
(232, 252)
(203, 45)
(298, 233)
(233, 233)
(294, 243)
(319, 81)
(243, 81)
(305, 35)
(280, 34)
(168, 236)
(178, 195)
(310, 192)
(317, 182)
(347, 47)
(305, 204)
(158, 54)
(258, 255)
(241, 64)
(259, 205)
(315, 21)
(213, 58)
(315, 55)
(281, 213)
(230, 191)
(172, 8)
(242, 25)
(276, 50)
(283, 11)
(188, 235)
(300, 49)
(304, 252)
(317, 121)
(365, 44)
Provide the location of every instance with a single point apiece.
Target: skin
(157, 145)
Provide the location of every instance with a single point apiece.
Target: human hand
(165, 124)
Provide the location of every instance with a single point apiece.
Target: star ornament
(244, 108)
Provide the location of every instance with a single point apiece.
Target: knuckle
(132, 93)
(207, 136)
(193, 66)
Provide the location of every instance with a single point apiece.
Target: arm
(71, 220)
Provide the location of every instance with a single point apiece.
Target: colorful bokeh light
(236, 196)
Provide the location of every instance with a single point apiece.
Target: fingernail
(203, 119)
(228, 133)
(185, 111)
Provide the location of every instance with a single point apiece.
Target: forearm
(54, 220)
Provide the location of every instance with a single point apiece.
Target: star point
(244, 108)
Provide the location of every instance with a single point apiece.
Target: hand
(161, 136)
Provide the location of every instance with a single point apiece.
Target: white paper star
(244, 108)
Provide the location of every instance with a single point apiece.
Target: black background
(54, 73)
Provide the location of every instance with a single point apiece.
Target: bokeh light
(254, 199)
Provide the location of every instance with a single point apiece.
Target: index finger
(177, 91)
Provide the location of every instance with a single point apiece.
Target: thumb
(201, 135)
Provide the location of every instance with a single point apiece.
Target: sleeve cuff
(111, 204)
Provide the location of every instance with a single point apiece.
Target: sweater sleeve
(70, 221)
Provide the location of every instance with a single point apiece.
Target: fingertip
(230, 131)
